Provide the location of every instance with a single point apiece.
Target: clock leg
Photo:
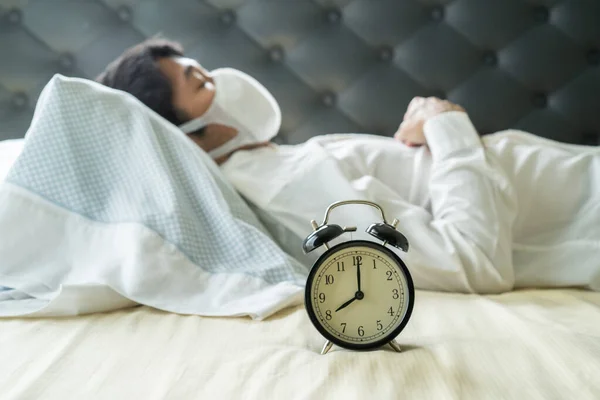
(326, 347)
(394, 345)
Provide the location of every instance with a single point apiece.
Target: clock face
(359, 295)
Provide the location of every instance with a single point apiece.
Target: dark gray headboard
(335, 65)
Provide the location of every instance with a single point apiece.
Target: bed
(520, 345)
(532, 344)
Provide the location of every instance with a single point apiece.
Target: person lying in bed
(488, 215)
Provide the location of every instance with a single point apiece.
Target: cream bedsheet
(522, 345)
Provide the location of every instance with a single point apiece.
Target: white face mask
(242, 103)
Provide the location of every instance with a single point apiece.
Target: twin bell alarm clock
(359, 294)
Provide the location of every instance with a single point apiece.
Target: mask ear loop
(225, 148)
(193, 125)
(196, 124)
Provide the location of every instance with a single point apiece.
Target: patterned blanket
(109, 206)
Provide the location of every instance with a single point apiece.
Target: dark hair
(137, 73)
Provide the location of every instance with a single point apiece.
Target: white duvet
(108, 206)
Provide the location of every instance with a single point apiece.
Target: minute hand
(358, 275)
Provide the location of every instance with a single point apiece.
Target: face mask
(240, 102)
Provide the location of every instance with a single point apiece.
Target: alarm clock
(359, 294)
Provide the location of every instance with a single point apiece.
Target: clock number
(329, 279)
(374, 265)
(321, 297)
(389, 275)
(379, 326)
(361, 331)
(340, 266)
(391, 312)
(343, 327)
(357, 260)
(395, 294)
(328, 315)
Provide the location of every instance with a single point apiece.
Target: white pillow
(9, 151)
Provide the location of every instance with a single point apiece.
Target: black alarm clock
(359, 294)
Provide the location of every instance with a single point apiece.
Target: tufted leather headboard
(335, 65)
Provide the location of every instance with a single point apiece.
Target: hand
(346, 304)
(358, 276)
(419, 111)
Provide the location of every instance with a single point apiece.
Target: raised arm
(465, 243)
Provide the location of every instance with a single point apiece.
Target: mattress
(525, 344)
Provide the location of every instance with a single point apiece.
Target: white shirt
(481, 215)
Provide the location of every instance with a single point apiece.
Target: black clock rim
(356, 346)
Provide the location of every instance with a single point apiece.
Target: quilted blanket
(109, 205)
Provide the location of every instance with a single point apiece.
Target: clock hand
(346, 304)
(358, 275)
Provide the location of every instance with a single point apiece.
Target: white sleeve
(465, 243)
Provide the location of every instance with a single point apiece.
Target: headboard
(335, 65)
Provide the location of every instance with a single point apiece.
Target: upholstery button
(541, 14)
(276, 53)
(386, 53)
(14, 16)
(437, 13)
(19, 100)
(593, 57)
(66, 61)
(333, 16)
(124, 13)
(539, 100)
(227, 17)
(490, 59)
(328, 99)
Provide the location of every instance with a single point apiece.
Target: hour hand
(346, 304)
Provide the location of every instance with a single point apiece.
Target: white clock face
(359, 295)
